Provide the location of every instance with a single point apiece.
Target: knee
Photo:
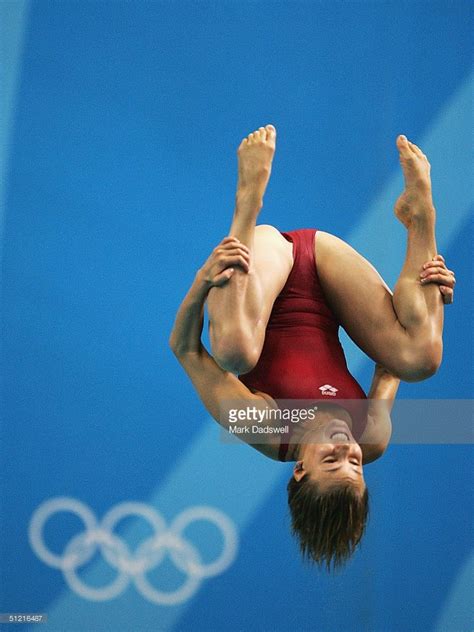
(235, 352)
(421, 362)
(236, 359)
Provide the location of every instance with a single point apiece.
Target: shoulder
(265, 396)
(372, 451)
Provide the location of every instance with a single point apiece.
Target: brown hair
(328, 524)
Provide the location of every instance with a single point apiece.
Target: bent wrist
(201, 285)
(382, 371)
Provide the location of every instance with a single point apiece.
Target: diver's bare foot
(255, 156)
(415, 204)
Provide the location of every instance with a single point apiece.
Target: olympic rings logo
(149, 554)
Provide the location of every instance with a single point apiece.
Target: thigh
(273, 257)
(272, 263)
(360, 299)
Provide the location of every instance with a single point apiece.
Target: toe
(271, 132)
(416, 149)
(403, 146)
(262, 133)
(243, 143)
(411, 148)
(419, 151)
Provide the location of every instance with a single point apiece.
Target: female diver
(275, 303)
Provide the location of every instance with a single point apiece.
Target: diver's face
(331, 456)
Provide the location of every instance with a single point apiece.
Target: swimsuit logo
(327, 389)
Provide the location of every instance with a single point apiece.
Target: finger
(232, 249)
(223, 276)
(234, 260)
(434, 264)
(239, 251)
(449, 273)
(439, 277)
(229, 239)
(448, 294)
(236, 246)
(450, 279)
(232, 242)
(236, 252)
(444, 279)
(436, 270)
(438, 258)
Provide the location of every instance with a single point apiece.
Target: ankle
(422, 216)
(247, 200)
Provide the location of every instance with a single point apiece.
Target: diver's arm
(218, 390)
(378, 430)
(185, 336)
(384, 386)
(212, 383)
(217, 270)
(216, 387)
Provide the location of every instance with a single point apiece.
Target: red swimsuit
(302, 357)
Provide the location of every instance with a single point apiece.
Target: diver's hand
(220, 265)
(435, 271)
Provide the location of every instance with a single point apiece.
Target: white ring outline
(104, 593)
(186, 590)
(131, 567)
(40, 517)
(113, 516)
(229, 551)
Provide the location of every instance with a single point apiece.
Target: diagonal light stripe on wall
(13, 16)
(457, 614)
(194, 478)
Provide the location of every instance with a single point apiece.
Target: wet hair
(329, 524)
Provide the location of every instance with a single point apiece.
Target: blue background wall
(120, 126)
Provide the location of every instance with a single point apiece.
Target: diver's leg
(403, 331)
(240, 309)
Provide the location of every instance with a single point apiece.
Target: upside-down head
(327, 495)
(328, 524)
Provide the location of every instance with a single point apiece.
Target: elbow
(373, 451)
(180, 350)
(175, 346)
(172, 343)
